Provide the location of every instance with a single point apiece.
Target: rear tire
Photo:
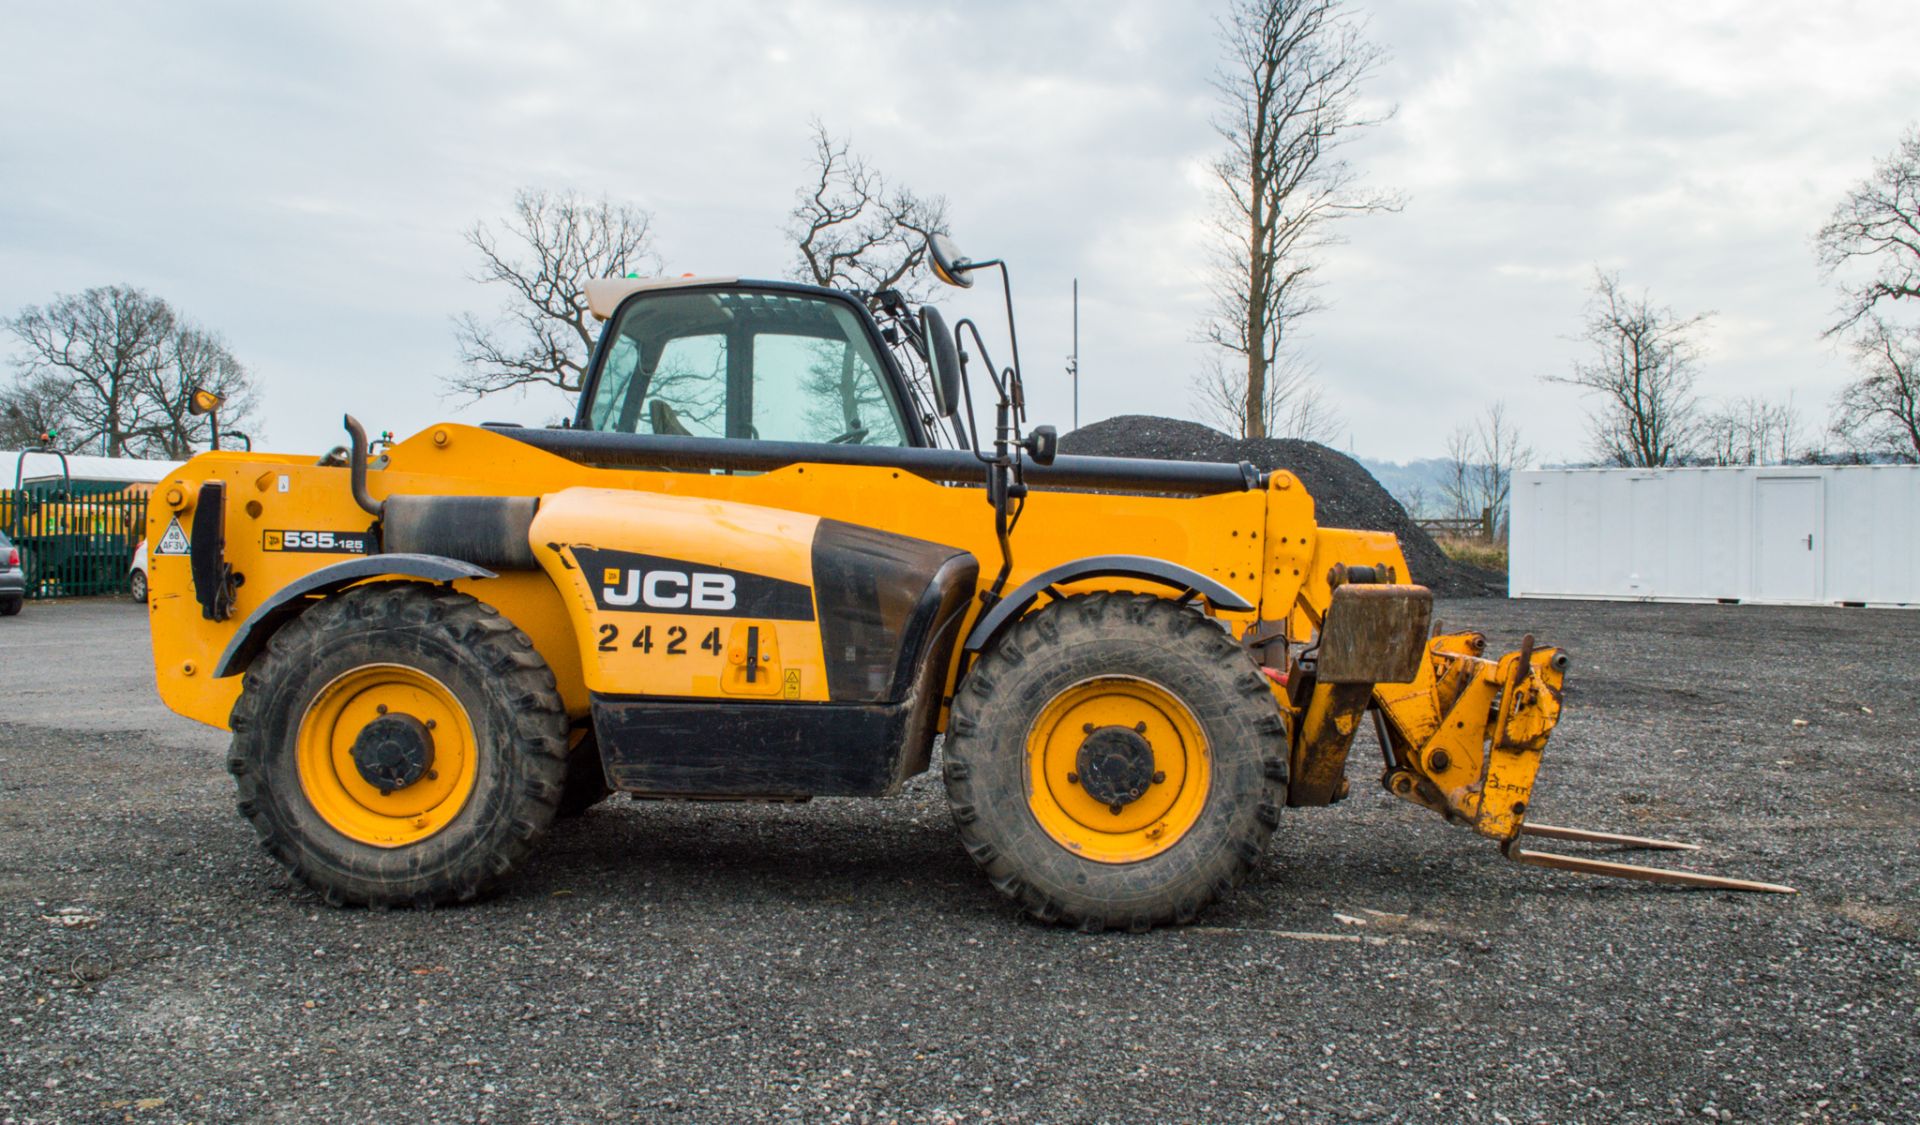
(417, 659)
(137, 586)
(1045, 837)
(11, 606)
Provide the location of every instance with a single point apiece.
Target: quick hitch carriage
(772, 558)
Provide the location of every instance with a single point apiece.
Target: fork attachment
(1465, 736)
(1559, 862)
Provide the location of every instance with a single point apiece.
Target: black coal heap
(1344, 493)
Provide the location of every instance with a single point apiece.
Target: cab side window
(812, 389)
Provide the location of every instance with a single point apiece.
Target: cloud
(299, 178)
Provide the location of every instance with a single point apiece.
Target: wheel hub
(1115, 765)
(393, 751)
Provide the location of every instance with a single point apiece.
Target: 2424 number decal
(673, 638)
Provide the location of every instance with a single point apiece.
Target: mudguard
(287, 602)
(1191, 583)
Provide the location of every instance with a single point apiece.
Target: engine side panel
(694, 615)
(667, 594)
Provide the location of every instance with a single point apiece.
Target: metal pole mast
(1073, 361)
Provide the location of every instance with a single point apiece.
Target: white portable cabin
(38, 466)
(1788, 534)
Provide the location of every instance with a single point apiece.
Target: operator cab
(744, 360)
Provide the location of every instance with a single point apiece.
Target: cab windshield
(755, 364)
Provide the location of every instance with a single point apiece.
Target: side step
(1560, 862)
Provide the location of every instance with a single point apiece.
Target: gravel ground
(842, 960)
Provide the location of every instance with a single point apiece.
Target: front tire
(399, 744)
(11, 606)
(137, 586)
(1115, 760)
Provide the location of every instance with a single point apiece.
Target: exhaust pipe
(357, 466)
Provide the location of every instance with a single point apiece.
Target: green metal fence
(73, 545)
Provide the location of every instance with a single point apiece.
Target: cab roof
(604, 294)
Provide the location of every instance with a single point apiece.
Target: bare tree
(1642, 367)
(100, 345)
(1878, 224)
(1481, 461)
(1290, 94)
(1416, 500)
(1291, 402)
(852, 230)
(34, 406)
(1879, 413)
(196, 359)
(1457, 485)
(1749, 431)
(112, 369)
(547, 250)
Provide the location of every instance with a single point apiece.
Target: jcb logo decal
(635, 583)
(702, 590)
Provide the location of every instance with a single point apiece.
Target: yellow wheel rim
(332, 781)
(1145, 826)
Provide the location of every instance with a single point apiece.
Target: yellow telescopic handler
(773, 557)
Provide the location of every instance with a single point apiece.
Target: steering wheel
(852, 437)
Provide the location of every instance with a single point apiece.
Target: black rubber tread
(585, 784)
(520, 728)
(11, 606)
(137, 586)
(1156, 639)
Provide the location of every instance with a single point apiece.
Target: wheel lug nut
(1139, 728)
(1115, 809)
(1086, 728)
(381, 710)
(431, 723)
(1073, 779)
(1159, 776)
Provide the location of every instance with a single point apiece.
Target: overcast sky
(298, 178)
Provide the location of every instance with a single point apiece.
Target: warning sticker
(173, 541)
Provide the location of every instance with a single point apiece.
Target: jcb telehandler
(771, 559)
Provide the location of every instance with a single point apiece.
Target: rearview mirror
(949, 264)
(943, 360)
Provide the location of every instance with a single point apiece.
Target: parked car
(13, 579)
(137, 573)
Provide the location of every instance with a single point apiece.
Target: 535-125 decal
(317, 542)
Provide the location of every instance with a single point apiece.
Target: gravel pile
(1344, 493)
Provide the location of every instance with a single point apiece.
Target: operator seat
(663, 419)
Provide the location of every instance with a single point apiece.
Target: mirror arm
(1019, 388)
(1005, 477)
(1013, 341)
